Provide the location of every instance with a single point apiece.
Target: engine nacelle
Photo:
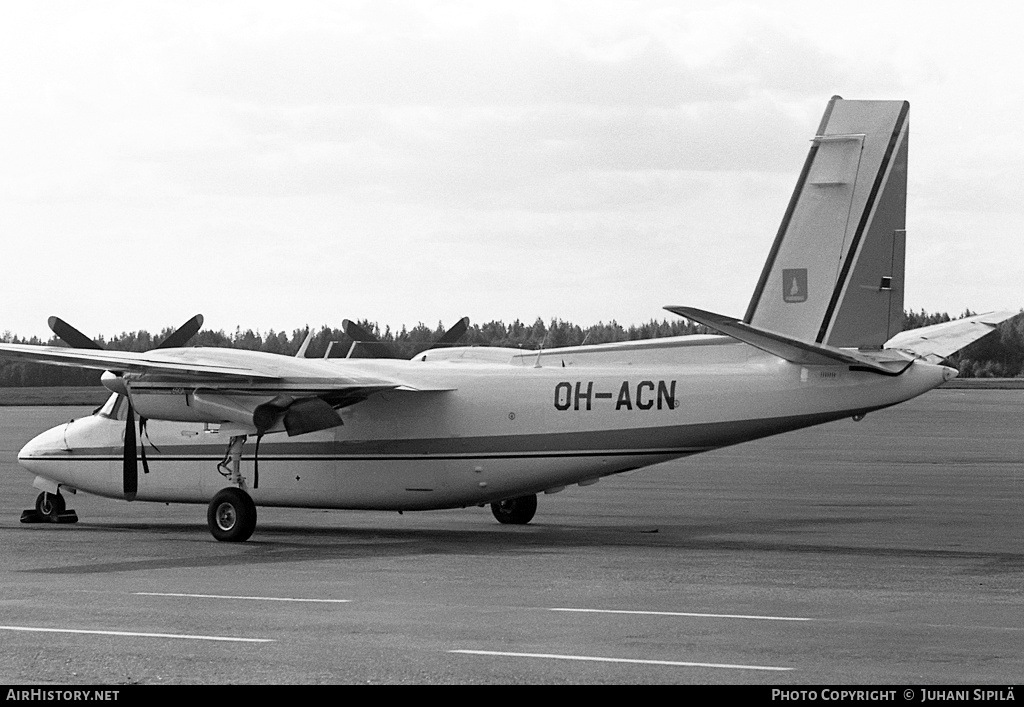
(259, 414)
(183, 405)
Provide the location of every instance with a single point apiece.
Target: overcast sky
(277, 165)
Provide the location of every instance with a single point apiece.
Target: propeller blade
(457, 331)
(71, 336)
(361, 336)
(185, 332)
(131, 462)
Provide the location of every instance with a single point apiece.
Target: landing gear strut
(515, 511)
(232, 513)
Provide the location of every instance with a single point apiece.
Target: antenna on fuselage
(540, 349)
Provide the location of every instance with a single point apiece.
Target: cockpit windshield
(114, 408)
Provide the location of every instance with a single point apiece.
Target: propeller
(130, 466)
(359, 335)
(71, 336)
(76, 339)
(180, 336)
(457, 331)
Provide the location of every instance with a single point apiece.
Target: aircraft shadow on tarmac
(302, 543)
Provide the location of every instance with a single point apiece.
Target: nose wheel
(50, 505)
(50, 508)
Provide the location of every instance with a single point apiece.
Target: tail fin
(835, 272)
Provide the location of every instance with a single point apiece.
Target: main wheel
(231, 515)
(50, 505)
(515, 511)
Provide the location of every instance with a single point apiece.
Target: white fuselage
(510, 424)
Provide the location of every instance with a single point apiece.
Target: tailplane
(835, 272)
(934, 343)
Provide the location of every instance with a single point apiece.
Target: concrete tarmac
(883, 552)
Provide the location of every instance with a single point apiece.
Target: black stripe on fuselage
(389, 457)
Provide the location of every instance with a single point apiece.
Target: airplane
(461, 426)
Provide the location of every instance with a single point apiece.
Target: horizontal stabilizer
(936, 342)
(787, 348)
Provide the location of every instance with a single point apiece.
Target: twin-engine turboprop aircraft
(461, 426)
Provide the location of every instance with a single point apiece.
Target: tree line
(999, 355)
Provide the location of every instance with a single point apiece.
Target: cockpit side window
(115, 408)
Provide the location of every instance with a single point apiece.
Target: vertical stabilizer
(835, 272)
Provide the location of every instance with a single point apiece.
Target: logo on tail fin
(794, 285)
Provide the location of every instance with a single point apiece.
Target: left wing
(254, 392)
(235, 368)
(260, 391)
(124, 361)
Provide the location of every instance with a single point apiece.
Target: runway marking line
(136, 634)
(598, 659)
(683, 613)
(224, 596)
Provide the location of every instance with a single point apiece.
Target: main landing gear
(232, 512)
(231, 515)
(50, 508)
(515, 511)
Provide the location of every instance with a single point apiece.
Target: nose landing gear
(50, 508)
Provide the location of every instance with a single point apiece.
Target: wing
(936, 342)
(124, 361)
(259, 391)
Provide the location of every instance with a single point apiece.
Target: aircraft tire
(50, 505)
(231, 515)
(515, 511)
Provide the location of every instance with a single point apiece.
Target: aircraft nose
(43, 445)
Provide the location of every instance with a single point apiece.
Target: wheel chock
(34, 516)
